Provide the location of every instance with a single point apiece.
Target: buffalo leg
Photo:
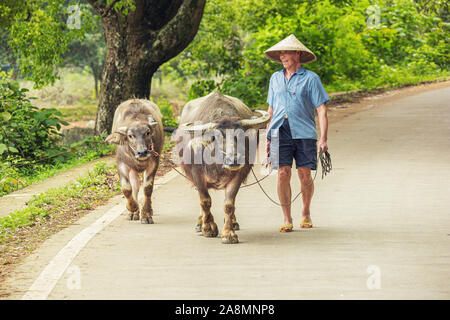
(147, 211)
(234, 223)
(228, 235)
(129, 189)
(209, 227)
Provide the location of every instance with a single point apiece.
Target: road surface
(382, 227)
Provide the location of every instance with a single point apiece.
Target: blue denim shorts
(304, 151)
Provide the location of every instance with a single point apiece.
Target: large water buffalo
(211, 125)
(138, 132)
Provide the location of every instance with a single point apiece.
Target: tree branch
(179, 32)
(101, 9)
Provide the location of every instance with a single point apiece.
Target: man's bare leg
(307, 187)
(284, 191)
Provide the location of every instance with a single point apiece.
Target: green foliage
(353, 52)
(247, 88)
(215, 50)
(91, 148)
(13, 9)
(25, 130)
(30, 142)
(201, 88)
(40, 41)
(16, 174)
(168, 119)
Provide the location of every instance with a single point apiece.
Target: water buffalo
(210, 123)
(138, 132)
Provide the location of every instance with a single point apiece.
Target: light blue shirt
(298, 98)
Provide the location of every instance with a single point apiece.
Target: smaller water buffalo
(138, 132)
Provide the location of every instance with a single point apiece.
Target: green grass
(14, 178)
(86, 191)
(80, 113)
(391, 77)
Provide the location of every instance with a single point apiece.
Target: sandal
(286, 228)
(306, 223)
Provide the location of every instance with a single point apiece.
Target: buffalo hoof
(210, 230)
(148, 220)
(198, 228)
(230, 239)
(235, 226)
(133, 216)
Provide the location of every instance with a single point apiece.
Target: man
(294, 94)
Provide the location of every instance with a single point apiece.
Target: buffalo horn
(258, 122)
(200, 127)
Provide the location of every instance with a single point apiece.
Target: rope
(247, 185)
(273, 201)
(325, 162)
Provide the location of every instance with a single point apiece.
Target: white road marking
(44, 284)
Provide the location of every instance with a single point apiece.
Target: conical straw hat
(290, 43)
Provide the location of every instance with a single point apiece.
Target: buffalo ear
(118, 137)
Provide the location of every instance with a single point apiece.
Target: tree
(138, 42)
(140, 36)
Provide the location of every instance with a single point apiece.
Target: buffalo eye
(130, 136)
(147, 133)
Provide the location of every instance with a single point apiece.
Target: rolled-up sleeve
(318, 93)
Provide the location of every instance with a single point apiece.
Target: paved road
(382, 227)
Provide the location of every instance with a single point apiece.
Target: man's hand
(323, 145)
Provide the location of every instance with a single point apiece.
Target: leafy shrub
(201, 88)
(91, 148)
(246, 88)
(168, 119)
(405, 45)
(25, 130)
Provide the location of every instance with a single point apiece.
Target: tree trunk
(137, 44)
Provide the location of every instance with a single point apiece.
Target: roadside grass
(390, 78)
(79, 113)
(83, 194)
(15, 176)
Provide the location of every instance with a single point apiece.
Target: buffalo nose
(142, 152)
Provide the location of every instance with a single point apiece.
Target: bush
(26, 131)
(92, 147)
(201, 88)
(168, 119)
